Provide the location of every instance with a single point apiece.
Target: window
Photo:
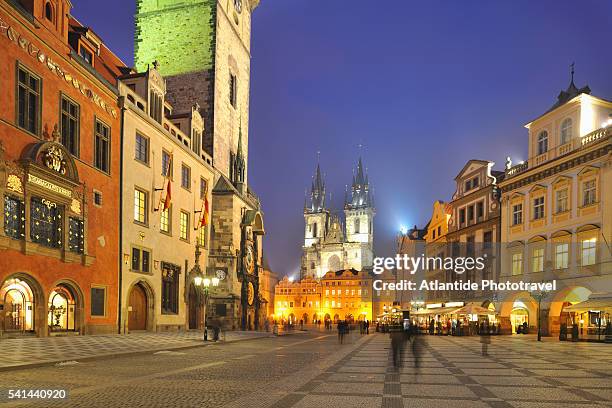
(202, 234)
(561, 256)
(203, 188)
(169, 297)
(314, 230)
(517, 263)
(517, 214)
(542, 142)
(588, 193)
(166, 164)
(102, 147)
(439, 231)
(468, 185)
(475, 182)
(470, 211)
(155, 106)
(537, 260)
(184, 226)
(97, 198)
(185, 177)
(49, 11)
(589, 251)
(140, 206)
(479, 210)
(14, 217)
(164, 220)
(561, 200)
(46, 223)
(462, 216)
(98, 301)
(357, 225)
(142, 149)
(75, 235)
(566, 131)
(141, 260)
(538, 208)
(70, 126)
(233, 91)
(86, 55)
(28, 101)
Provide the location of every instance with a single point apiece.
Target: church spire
(317, 192)
(360, 190)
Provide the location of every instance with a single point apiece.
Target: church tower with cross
(331, 242)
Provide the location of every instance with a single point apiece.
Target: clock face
(238, 5)
(250, 294)
(220, 274)
(249, 260)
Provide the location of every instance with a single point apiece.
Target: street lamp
(202, 281)
(539, 296)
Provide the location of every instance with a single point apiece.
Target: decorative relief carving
(54, 159)
(75, 206)
(13, 183)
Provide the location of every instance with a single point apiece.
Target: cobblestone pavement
(31, 350)
(312, 370)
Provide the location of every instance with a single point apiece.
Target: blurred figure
(398, 341)
(417, 346)
(485, 338)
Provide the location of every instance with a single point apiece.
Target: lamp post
(200, 280)
(539, 296)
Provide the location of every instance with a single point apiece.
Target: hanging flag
(168, 196)
(204, 219)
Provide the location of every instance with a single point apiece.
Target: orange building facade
(59, 173)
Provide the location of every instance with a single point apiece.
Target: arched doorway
(349, 317)
(305, 318)
(292, 318)
(315, 318)
(63, 309)
(327, 317)
(196, 309)
(138, 308)
(336, 318)
(519, 316)
(19, 306)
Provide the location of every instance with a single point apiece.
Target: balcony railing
(574, 145)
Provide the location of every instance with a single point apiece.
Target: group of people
(403, 337)
(461, 328)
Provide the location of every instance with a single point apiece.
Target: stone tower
(316, 220)
(204, 51)
(359, 215)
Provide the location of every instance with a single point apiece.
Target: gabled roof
(483, 162)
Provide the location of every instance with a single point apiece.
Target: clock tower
(203, 50)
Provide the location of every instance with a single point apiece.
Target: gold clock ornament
(250, 294)
(249, 259)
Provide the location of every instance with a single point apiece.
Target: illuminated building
(557, 215)
(342, 295)
(166, 184)
(204, 53)
(331, 244)
(59, 173)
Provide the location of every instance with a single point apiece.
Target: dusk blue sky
(423, 85)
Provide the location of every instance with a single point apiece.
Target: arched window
(543, 142)
(49, 11)
(566, 131)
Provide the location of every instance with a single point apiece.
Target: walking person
(397, 345)
(485, 338)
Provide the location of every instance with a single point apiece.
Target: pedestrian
(417, 346)
(485, 338)
(431, 327)
(367, 325)
(448, 327)
(397, 345)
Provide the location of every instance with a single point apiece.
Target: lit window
(542, 142)
(164, 220)
(589, 251)
(14, 217)
(184, 226)
(537, 259)
(588, 193)
(140, 206)
(202, 236)
(561, 256)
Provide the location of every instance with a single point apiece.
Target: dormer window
(542, 142)
(566, 131)
(49, 11)
(86, 55)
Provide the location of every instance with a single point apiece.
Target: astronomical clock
(250, 279)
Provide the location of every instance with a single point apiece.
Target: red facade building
(59, 173)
